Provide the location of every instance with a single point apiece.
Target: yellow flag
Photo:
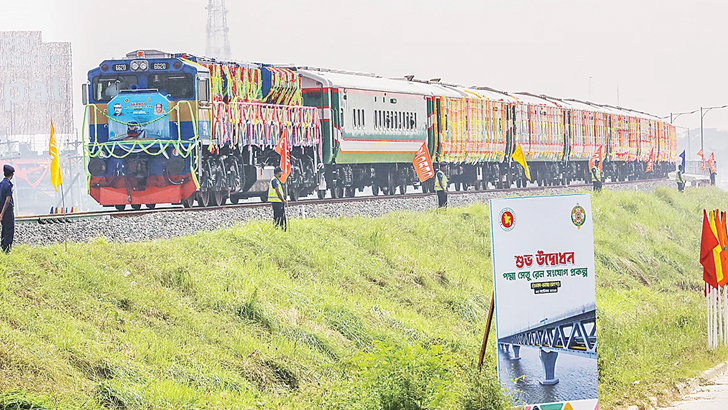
(521, 159)
(56, 178)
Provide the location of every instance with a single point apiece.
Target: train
(171, 128)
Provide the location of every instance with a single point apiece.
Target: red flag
(708, 242)
(702, 157)
(711, 162)
(597, 156)
(650, 161)
(423, 163)
(284, 150)
(720, 225)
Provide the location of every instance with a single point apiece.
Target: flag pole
(725, 316)
(712, 314)
(719, 323)
(707, 310)
(715, 317)
(63, 202)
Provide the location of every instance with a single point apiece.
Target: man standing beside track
(596, 177)
(7, 214)
(679, 179)
(278, 200)
(441, 187)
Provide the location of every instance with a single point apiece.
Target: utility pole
(701, 131)
(590, 88)
(689, 151)
(704, 111)
(218, 40)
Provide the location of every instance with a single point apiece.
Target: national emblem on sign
(507, 219)
(578, 216)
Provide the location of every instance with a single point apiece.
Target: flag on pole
(423, 163)
(717, 249)
(521, 159)
(683, 160)
(708, 243)
(720, 225)
(702, 158)
(56, 177)
(650, 161)
(597, 156)
(711, 162)
(284, 150)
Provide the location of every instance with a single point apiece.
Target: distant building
(36, 86)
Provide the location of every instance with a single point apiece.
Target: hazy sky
(662, 55)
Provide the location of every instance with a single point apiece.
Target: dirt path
(711, 397)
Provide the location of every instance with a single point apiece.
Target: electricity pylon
(218, 41)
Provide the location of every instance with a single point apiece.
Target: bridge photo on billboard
(545, 299)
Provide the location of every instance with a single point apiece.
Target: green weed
(362, 313)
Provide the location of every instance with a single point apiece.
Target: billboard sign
(138, 116)
(545, 299)
(35, 81)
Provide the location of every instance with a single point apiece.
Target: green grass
(359, 313)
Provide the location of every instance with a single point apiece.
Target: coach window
(341, 117)
(363, 118)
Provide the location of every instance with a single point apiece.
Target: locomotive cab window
(106, 88)
(178, 86)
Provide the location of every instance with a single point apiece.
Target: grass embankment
(347, 313)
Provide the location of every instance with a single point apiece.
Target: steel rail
(64, 218)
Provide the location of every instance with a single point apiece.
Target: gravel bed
(164, 225)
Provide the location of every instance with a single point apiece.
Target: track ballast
(162, 223)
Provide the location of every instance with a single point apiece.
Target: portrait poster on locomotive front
(545, 299)
(138, 116)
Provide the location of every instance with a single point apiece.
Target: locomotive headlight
(97, 167)
(176, 166)
(139, 65)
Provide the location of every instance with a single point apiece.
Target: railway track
(67, 218)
